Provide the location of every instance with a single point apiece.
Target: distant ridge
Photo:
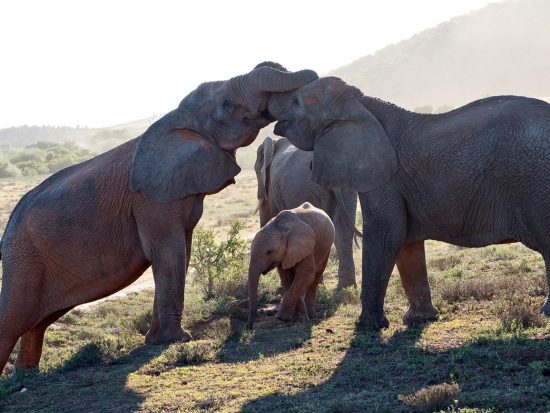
(503, 48)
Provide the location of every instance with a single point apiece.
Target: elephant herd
(475, 176)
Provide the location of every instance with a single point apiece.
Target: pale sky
(101, 63)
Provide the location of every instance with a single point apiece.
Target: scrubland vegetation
(41, 158)
(489, 351)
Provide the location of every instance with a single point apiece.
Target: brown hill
(503, 48)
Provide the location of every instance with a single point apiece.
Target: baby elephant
(297, 241)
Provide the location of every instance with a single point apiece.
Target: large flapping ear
(300, 242)
(171, 162)
(354, 153)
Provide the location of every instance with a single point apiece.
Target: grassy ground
(489, 351)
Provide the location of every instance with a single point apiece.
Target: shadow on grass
(269, 339)
(83, 383)
(505, 375)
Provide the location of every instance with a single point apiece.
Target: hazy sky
(99, 63)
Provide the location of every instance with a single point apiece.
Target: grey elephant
(475, 176)
(93, 228)
(297, 242)
(284, 182)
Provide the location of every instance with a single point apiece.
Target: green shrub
(41, 158)
(220, 267)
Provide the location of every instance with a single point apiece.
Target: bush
(42, 158)
(8, 170)
(220, 267)
(432, 398)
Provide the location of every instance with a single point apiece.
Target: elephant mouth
(281, 127)
(264, 272)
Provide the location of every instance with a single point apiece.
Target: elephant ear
(355, 153)
(171, 162)
(300, 242)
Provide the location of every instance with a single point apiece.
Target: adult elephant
(475, 176)
(93, 228)
(284, 182)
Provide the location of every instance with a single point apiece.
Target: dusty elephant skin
(475, 176)
(284, 182)
(297, 242)
(93, 228)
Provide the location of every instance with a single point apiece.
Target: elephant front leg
(411, 264)
(545, 309)
(292, 305)
(169, 275)
(384, 234)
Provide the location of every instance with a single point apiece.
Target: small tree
(220, 267)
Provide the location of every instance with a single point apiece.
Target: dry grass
(433, 398)
(489, 340)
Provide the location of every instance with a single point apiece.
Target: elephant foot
(545, 309)
(373, 321)
(167, 336)
(415, 317)
(301, 317)
(284, 315)
(345, 282)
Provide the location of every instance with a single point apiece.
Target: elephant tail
(349, 219)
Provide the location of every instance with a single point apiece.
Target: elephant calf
(297, 242)
(284, 182)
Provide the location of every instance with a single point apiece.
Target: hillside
(500, 49)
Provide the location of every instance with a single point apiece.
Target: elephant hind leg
(30, 349)
(7, 343)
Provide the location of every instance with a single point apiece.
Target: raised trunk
(253, 281)
(268, 79)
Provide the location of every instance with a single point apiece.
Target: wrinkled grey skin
(284, 182)
(93, 228)
(475, 176)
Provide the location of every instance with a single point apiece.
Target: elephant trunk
(269, 79)
(253, 281)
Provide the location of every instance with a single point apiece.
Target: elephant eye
(295, 102)
(226, 104)
(269, 252)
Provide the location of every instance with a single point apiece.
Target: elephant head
(351, 148)
(191, 150)
(285, 240)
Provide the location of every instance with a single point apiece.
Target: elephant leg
(301, 314)
(19, 302)
(384, 234)
(30, 347)
(169, 265)
(343, 241)
(155, 322)
(311, 294)
(411, 264)
(545, 309)
(188, 244)
(286, 276)
(294, 296)
(8, 339)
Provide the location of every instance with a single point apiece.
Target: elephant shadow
(269, 337)
(375, 371)
(82, 383)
